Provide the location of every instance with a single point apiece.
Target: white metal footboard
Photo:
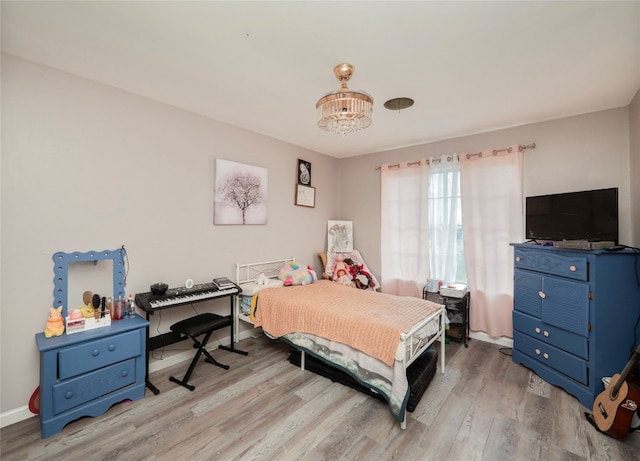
(412, 344)
(414, 348)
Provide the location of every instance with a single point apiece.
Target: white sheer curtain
(491, 191)
(444, 216)
(405, 227)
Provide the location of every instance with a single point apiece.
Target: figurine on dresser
(55, 326)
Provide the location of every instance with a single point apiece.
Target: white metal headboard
(248, 272)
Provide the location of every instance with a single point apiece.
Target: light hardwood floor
(483, 408)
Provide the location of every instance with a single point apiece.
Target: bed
(371, 336)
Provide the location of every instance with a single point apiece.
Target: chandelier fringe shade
(344, 111)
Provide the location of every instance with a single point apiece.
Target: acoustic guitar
(614, 408)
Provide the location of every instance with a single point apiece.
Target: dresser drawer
(574, 267)
(82, 389)
(564, 340)
(76, 360)
(565, 363)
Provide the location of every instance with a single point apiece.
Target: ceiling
(470, 66)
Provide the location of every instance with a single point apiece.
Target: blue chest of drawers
(85, 373)
(576, 315)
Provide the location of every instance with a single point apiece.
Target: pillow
(250, 290)
(272, 283)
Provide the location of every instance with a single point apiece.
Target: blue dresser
(85, 373)
(576, 316)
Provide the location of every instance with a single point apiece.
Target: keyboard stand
(165, 339)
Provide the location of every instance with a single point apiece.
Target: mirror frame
(62, 260)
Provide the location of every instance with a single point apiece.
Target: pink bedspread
(365, 320)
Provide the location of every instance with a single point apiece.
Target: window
(421, 225)
(446, 248)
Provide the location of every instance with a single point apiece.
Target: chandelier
(344, 111)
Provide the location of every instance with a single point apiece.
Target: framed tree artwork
(240, 193)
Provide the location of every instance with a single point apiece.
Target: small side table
(457, 312)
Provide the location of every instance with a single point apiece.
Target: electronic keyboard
(177, 296)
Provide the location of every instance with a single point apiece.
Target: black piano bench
(202, 324)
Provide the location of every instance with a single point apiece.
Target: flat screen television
(585, 215)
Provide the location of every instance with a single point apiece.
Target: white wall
(584, 152)
(89, 167)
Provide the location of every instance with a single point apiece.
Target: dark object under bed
(419, 374)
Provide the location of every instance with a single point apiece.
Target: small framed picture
(339, 236)
(305, 196)
(304, 172)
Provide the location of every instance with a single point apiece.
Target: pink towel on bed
(365, 320)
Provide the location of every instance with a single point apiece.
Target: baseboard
(22, 413)
(16, 415)
(501, 341)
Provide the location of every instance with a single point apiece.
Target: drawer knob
(537, 351)
(572, 268)
(541, 294)
(68, 395)
(537, 330)
(545, 355)
(125, 373)
(95, 352)
(546, 333)
(112, 347)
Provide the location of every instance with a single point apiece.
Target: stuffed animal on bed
(361, 278)
(340, 271)
(293, 273)
(348, 272)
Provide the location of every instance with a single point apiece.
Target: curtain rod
(478, 154)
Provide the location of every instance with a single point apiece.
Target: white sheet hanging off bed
(372, 336)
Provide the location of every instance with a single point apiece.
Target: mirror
(93, 276)
(94, 270)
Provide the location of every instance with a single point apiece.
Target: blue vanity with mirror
(85, 373)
